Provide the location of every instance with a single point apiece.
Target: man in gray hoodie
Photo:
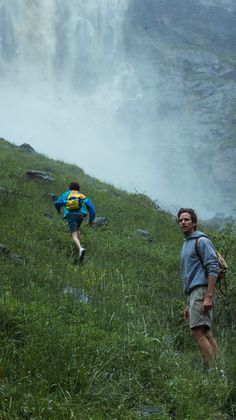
(199, 268)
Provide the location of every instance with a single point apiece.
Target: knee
(193, 333)
(74, 236)
(197, 333)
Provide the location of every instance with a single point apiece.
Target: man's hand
(207, 303)
(186, 313)
(208, 299)
(90, 223)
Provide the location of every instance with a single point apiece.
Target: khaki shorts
(197, 317)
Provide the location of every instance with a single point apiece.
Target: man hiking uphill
(199, 273)
(75, 206)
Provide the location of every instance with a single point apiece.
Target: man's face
(186, 224)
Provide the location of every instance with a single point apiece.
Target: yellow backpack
(74, 200)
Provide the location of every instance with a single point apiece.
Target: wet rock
(6, 253)
(145, 235)
(76, 293)
(27, 148)
(4, 250)
(39, 175)
(101, 221)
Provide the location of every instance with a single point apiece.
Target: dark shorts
(74, 221)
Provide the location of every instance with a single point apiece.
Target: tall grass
(127, 348)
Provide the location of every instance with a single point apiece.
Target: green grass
(128, 347)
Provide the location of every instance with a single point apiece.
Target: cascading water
(70, 89)
(62, 71)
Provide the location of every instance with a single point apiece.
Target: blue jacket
(193, 272)
(87, 206)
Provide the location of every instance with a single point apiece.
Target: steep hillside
(103, 338)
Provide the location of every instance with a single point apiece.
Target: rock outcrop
(39, 175)
(27, 148)
(5, 252)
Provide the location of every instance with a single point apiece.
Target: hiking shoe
(81, 253)
(222, 374)
(219, 372)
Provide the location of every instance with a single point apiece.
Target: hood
(196, 234)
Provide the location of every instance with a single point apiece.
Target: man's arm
(60, 202)
(208, 300)
(212, 268)
(186, 312)
(91, 210)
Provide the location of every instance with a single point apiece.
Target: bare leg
(76, 239)
(213, 343)
(206, 343)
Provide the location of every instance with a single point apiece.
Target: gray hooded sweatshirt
(194, 272)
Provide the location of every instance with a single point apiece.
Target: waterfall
(78, 41)
(62, 63)
(71, 88)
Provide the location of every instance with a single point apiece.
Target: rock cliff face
(185, 50)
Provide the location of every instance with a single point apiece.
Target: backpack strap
(197, 251)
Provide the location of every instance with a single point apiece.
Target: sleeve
(91, 209)
(208, 255)
(61, 201)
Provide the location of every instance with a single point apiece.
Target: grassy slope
(128, 347)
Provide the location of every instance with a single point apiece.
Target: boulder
(145, 235)
(27, 148)
(6, 253)
(4, 250)
(101, 221)
(39, 175)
